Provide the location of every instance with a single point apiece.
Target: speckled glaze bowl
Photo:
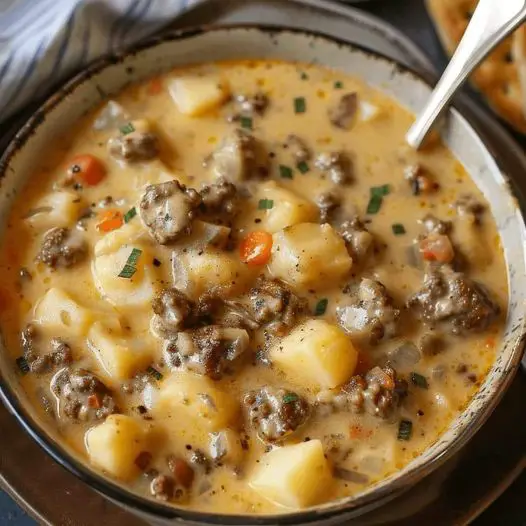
(110, 75)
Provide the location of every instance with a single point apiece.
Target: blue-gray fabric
(44, 41)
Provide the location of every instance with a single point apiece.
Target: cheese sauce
(339, 303)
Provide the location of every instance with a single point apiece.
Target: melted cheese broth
(363, 443)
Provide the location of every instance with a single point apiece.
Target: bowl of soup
(232, 294)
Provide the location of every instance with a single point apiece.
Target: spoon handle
(491, 22)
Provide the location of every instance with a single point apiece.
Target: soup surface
(233, 288)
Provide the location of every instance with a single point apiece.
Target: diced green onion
(290, 397)
(246, 122)
(285, 172)
(338, 84)
(321, 307)
(380, 190)
(265, 204)
(398, 229)
(374, 204)
(303, 167)
(22, 365)
(130, 267)
(154, 373)
(127, 128)
(405, 430)
(419, 380)
(300, 105)
(130, 214)
(304, 76)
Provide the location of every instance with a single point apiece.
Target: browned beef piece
(167, 210)
(358, 239)
(38, 358)
(275, 413)
(342, 115)
(378, 393)
(451, 299)
(273, 302)
(336, 165)
(134, 147)
(467, 205)
(172, 312)
(370, 312)
(235, 158)
(81, 395)
(248, 106)
(62, 248)
(163, 487)
(209, 350)
(327, 202)
(220, 200)
(297, 148)
(225, 312)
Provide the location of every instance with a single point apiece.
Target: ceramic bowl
(110, 75)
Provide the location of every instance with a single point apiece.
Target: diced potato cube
(225, 447)
(309, 254)
(116, 239)
(197, 95)
(60, 208)
(316, 354)
(137, 290)
(196, 401)
(115, 444)
(59, 311)
(156, 172)
(295, 476)
(287, 209)
(120, 356)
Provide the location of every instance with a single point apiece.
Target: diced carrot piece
(88, 168)
(255, 249)
(110, 220)
(155, 86)
(437, 248)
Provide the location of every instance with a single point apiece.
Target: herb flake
(303, 167)
(380, 190)
(338, 84)
(289, 398)
(405, 430)
(285, 171)
(130, 267)
(374, 204)
(398, 229)
(419, 380)
(22, 365)
(130, 214)
(304, 76)
(265, 204)
(321, 307)
(300, 105)
(246, 122)
(127, 128)
(154, 373)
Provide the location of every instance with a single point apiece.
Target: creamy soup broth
(302, 320)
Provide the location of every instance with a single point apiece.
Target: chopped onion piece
(367, 110)
(404, 356)
(112, 116)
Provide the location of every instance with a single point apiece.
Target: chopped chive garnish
(321, 307)
(300, 105)
(130, 267)
(380, 190)
(127, 128)
(419, 380)
(304, 76)
(303, 167)
(285, 171)
(290, 397)
(265, 204)
(405, 430)
(398, 229)
(374, 204)
(338, 84)
(22, 364)
(130, 214)
(246, 122)
(154, 373)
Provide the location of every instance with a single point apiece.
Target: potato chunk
(120, 356)
(115, 444)
(197, 95)
(288, 208)
(56, 209)
(196, 402)
(59, 311)
(316, 354)
(309, 254)
(295, 476)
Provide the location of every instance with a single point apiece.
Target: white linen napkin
(45, 41)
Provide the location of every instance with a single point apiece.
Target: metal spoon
(492, 21)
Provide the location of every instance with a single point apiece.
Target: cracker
(501, 77)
